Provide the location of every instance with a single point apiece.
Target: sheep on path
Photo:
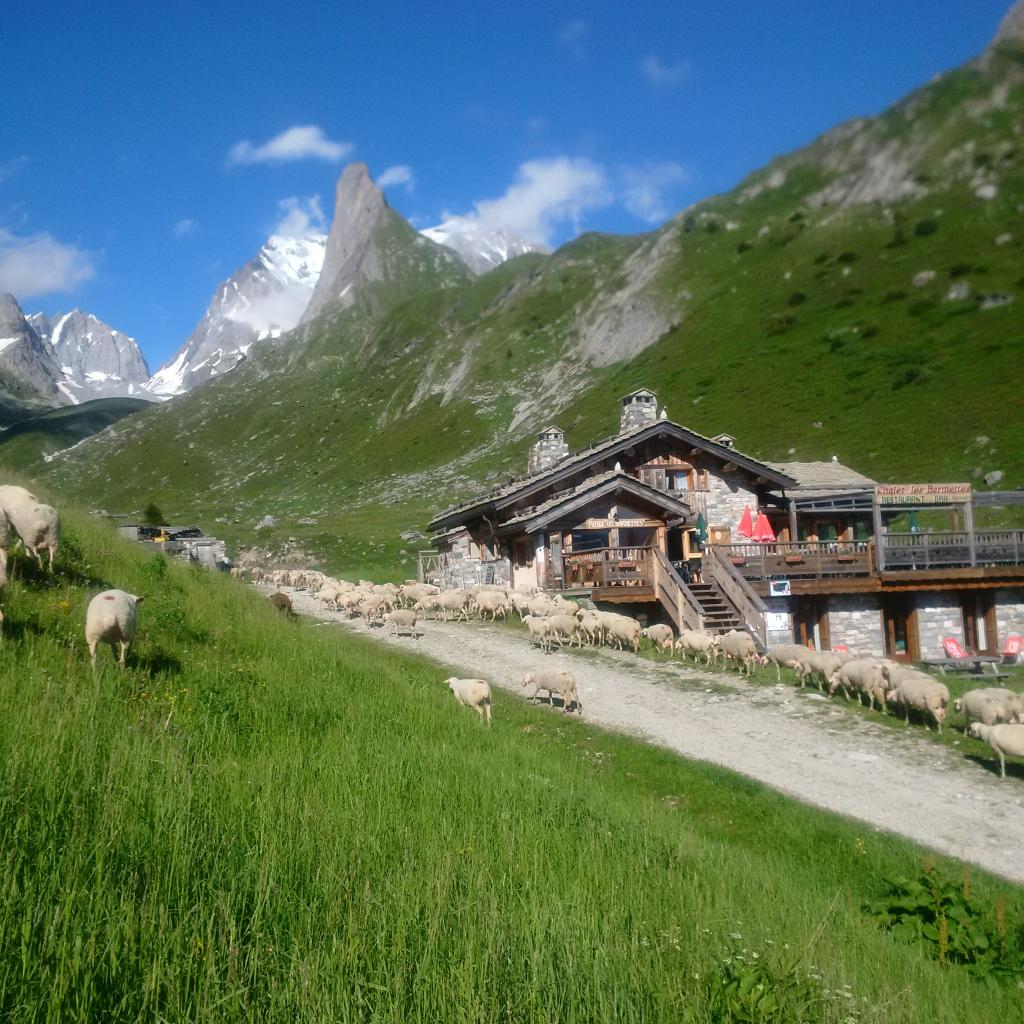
(792, 656)
(282, 602)
(554, 682)
(403, 620)
(474, 693)
(494, 601)
(919, 691)
(823, 667)
(990, 706)
(699, 643)
(740, 647)
(1003, 739)
(623, 630)
(661, 636)
(863, 677)
(111, 618)
(541, 631)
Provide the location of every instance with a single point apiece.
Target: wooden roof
(501, 497)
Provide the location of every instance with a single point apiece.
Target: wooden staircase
(719, 615)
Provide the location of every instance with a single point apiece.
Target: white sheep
(740, 647)
(590, 625)
(474, 693)
(990, 706)
(37, 525)
(823, 667)
(540, 630)
(493, 601)
(699, 643)
(111, 618)
(792, 656)
(661, 636)
(623, 630)
(554, 682)
(917, 690)
(1003, 739)
(403, 620)
(566, 627)
(863, 677)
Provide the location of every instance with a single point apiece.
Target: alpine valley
(856, 290)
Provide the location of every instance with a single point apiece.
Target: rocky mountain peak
(24, 355)
(1011, 28)
(370, 243)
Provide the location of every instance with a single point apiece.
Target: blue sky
(135, 170)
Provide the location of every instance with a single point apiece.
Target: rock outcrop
(25, 356)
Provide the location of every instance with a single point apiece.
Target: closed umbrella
(915, 526)
(763, 531)
(701, 528)
(746, 527)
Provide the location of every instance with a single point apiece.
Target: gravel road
(799, 744)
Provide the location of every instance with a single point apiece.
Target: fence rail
(798, 560)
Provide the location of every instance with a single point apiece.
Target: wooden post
(793, 535)
(876, 514)
(969, 526)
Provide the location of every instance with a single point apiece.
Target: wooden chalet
(649, 517)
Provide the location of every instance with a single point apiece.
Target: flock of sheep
(111, 616)
(994, 714)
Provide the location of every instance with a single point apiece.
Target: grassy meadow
(272, 820)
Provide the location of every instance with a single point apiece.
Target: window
(589, 540)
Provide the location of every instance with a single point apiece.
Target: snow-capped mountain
(26, 359)
(94, 359)
(481, 249)
(261, 300)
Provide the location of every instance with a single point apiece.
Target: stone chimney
(548, 451)
(639, 409)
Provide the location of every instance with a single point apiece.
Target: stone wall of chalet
(1009, 615)
(938, 616)
(855, 620)
(726, 499)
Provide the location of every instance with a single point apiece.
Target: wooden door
(899, 628)
(810, 623)
(556, 558)
(979, 621)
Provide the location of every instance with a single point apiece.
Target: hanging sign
(610, 524)
(894, 495)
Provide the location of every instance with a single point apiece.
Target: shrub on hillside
(797, 298)
(924, 228)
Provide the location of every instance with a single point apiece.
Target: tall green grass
(267, 820)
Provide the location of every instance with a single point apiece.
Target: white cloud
(32, 265)
(645, 186)
(573, 36)
(280, 310)
(300, 218)
(545, 194)
(662, 75)
(9, 168)
(400, 174)
(301, 142)
(185, 227)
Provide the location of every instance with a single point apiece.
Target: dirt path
(801, 745)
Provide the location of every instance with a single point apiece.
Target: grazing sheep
(792, 656)
(624, 630)
(403, 620)
(1003, 739)
(494, 601)
(863, 677)
(454, 601)
(661, 636)
(540, 630)
(111, 619)
(740, 647)
(282, 602)
(990, 706)
(566, 627)
(921, 692)
(474, 693)
(823, 667)
(554, 682)
(38, 526)
(540, 606)
(699, 643)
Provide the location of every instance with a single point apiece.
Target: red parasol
(763, 531)
(746, 527)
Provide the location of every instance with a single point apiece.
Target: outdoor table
(971, 665)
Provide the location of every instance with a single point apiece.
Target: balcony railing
(608, 567)
(800, 560)
(954, 549)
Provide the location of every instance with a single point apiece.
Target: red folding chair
(954, 649)
(1013, 649)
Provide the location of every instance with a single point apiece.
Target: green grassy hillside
(276, 821)
(861, 297)
(28, 441)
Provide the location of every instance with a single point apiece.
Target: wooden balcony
(952, 550)
(805, 560)
(606, 568)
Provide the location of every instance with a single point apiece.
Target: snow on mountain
(262, 299)
(95, 360)
(481, 249)
(25, 357)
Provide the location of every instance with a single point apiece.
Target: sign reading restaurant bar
(893, 495)
(608, 524)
